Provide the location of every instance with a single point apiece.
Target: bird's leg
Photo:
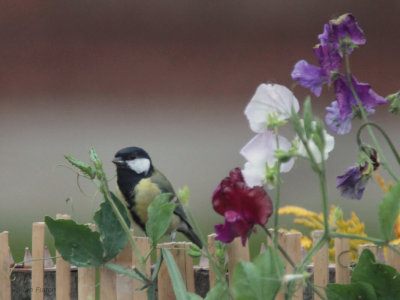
(172, 236)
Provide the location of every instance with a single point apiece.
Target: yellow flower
(314, 221)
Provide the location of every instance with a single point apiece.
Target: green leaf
(259, 280)
(307, 118)
(220, 291)
(112, 234)
(176, 278)
(160, 213)
(383, 278)
(388, 212)
(353, 291)
(118, 269)
(84, 167)
(76, 243)
(194, 296)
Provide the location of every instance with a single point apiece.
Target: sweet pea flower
(309, 76)
(346, 100)
(242, 206)
(270, 101)
(260, 152)
(340, 36)
(335, 121)
(329, 145)
(353, 182)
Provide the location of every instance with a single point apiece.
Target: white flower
(270, 100)
(260, 152)
(329, 145)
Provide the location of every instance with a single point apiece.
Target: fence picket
(342, 259)
(5, 282)
(63, 272)
(143, 245)
(87, 280)
(293, 249)
(37, 286)
(236, 252)
(211, 250)
(393, 258)
(321, 264)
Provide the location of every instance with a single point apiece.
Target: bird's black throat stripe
(127, 180)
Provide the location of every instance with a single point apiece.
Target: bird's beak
(118, 161)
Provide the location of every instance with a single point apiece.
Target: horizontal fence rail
(40, 267)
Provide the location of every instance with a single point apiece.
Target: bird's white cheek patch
(139, 165)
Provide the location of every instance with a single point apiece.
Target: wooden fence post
(236, 252)
(342, 260)
(321, 264)
(282, 243)
(108, 283)
(293, 249)
(393, 258)
(5, 283)
(63, 272)
(37, 286)
(143, 245)
(87, 280)
(211, 249)
(179, 253)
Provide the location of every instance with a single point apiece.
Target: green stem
(324, 239)
(277, 195)
(376, 241)
(107, 195)
(217, 270)
(365, 120)
(322, 183)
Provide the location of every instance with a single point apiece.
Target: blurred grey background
(170, 76)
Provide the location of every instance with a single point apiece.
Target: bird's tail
(191, 235)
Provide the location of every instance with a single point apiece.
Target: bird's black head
(133, 159)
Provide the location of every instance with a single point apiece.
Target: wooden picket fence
(115, 286)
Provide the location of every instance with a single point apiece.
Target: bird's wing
(166, 187)
(162, 182)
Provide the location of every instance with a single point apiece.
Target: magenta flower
(242, 206)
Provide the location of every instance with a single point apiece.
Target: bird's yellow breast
(145, 192)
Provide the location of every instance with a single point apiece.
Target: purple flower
(340, 36)
(352, 183)
(242, 206)
(335, 121)
(345, 98)
(328, 58)
(346, 27)
(309, 76)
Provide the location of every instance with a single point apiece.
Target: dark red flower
(242, 207)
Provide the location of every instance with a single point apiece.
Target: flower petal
(261, 150)
(309, 76)
(352, 183)
(334, 120)
(270, 99)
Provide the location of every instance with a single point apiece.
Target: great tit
(139, 183)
